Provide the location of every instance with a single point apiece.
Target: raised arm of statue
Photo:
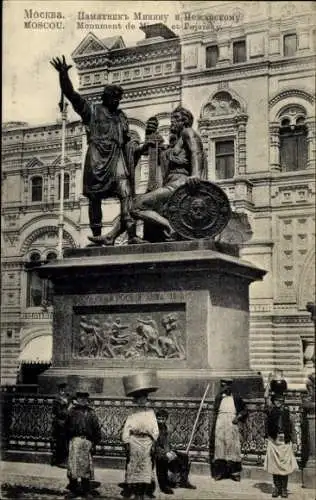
(79, 104)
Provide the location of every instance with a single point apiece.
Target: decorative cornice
(87, 62)
(143, 54)
(142, 92)
(292, 319)
(244, 70)
(42, 128)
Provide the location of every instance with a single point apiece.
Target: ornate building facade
(250, 86)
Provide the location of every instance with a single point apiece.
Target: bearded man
(183, 162)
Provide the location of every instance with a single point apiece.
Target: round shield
(199, 211)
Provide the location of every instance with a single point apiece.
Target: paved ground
(43, 482)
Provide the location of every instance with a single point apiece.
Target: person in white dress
(139, 435)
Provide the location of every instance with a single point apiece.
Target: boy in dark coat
(169, 461)
(83, 431)
(225, 446)
(280, 460)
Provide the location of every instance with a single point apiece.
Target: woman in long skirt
(139, 434)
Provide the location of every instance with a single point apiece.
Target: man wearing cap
(111, 155)
(59, 413)
(83, 431)
(225, 447)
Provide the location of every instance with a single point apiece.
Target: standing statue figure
(154, 145)
(111, 156)
(183, 162)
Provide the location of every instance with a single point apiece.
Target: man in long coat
(225, 446)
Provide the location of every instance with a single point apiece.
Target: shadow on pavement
(264, 487)
(19, 491)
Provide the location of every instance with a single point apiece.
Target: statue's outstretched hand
(60, 65)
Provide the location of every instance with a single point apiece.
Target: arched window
(293, 139)
(223, 130)
(66, 186)
(39, 291)
(37, 188)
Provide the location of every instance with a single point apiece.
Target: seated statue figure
(182, 162)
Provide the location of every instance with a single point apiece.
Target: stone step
(277, 346)
(274, 352)
(276, 357)
(289, 366)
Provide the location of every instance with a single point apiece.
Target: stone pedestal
(180, 308)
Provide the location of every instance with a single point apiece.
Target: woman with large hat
(139, 435)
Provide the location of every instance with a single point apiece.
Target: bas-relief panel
(128, 332)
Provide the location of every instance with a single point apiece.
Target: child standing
(83, 431)
(280, 460)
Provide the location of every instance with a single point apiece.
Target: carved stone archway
(37, 233)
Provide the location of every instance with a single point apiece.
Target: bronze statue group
(112, 157)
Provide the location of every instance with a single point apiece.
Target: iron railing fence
(27, 420)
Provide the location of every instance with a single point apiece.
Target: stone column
(309, 415)
(224, 55)
(25, 189)
(72, 184)
(52, 182)
(204, 126)
(274, 130)
(310, 143)
(241, 122)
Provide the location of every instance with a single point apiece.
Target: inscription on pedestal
(129, 332)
